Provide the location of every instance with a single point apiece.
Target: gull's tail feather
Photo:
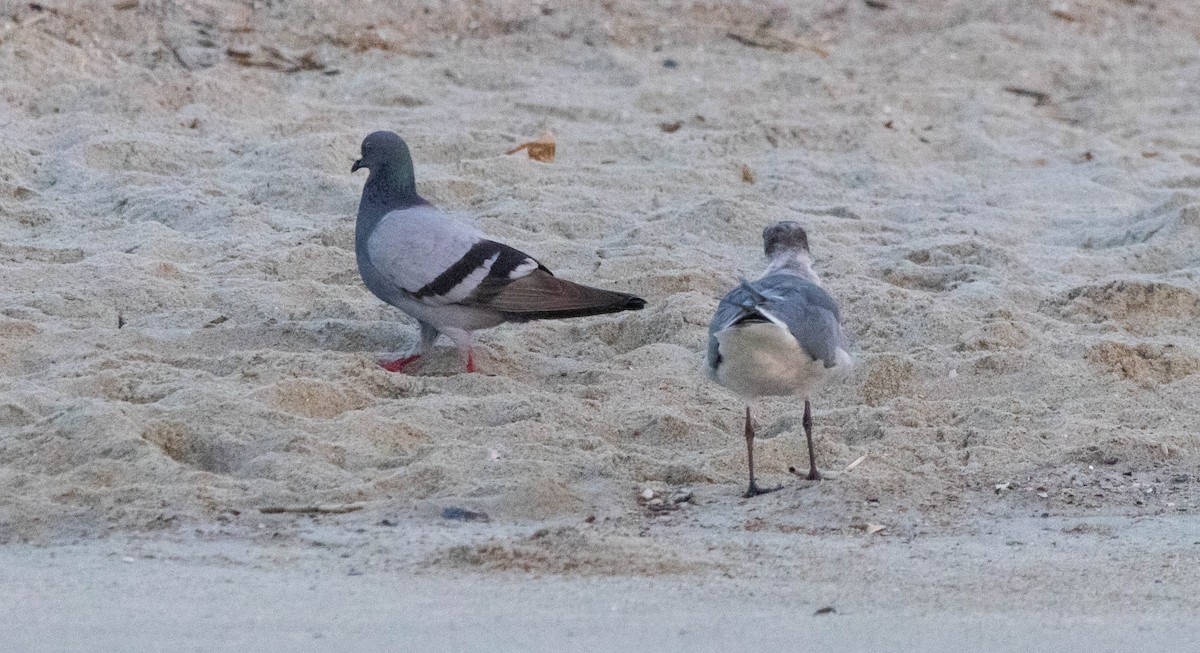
(750, 306)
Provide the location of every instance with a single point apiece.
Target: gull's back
(778, 335)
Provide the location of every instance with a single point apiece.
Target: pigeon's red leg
(399, 364)
(464, 342)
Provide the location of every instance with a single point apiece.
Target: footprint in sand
(313, 399)
(1146, 364)
(1137, 305)
(944, 267)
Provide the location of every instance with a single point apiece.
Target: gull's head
(786, 236)
(786, 246)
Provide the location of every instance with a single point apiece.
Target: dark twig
(327, 509)
(1039, 98)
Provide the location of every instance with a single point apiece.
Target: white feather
(467, 285)
(763, 359)
(523, 269)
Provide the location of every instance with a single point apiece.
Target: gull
(778, 335)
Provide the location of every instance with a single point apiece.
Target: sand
(1004, 197)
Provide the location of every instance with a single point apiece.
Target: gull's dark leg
(754, 490)
(750, 454)
(813, 474)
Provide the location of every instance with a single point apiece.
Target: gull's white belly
(762, 359)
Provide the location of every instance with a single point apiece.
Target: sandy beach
(1004, 198)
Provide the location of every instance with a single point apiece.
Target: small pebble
(462, 514)
(681, 496)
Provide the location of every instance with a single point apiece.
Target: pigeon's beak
(357, 164)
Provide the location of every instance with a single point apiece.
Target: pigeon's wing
(808, 312)
(438, 260)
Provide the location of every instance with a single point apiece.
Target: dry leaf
(671, 127)
(748, 174)
(540, 150)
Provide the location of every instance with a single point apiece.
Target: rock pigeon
(779, 335)
(446, 274)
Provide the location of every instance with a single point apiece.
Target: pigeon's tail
(543, 296)
(621, 303)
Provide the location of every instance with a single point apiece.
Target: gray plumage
(808, 312)
(778, 335)
(445, 272)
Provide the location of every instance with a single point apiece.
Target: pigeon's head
(383, 149)
(784, 236)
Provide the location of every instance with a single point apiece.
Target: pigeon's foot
(754, 490)
(399, 364)
(470, 362)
